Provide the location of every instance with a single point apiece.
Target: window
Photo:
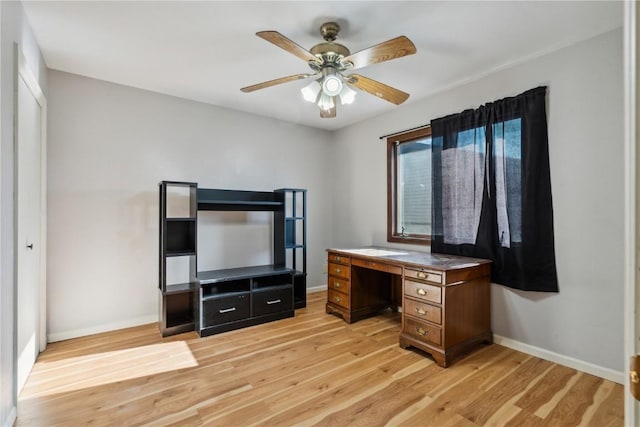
(409, 187)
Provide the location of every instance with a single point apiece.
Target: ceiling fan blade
(288, 45)
(385, 51)
(381, 90)
(276, 82)
(328, 114)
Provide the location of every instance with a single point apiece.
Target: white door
(30, 251)
(632, 204)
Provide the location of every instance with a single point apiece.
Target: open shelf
(181, 236)
(237, 200)
(271, 282)
(294, 246)
(225, 288)
(215, 276)
(179, 288)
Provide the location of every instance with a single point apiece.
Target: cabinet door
(272, 301)
(216, 311)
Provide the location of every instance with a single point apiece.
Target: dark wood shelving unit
(178, 238)
(217, 301)
(290, 239)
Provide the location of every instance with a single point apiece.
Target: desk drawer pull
(338, 270)
(338, 299)
(421, 291)
(338, 258)
(421, 275)
(275, 301)
(227, 310)
(337, 285)
(421, 311)
(421, 331)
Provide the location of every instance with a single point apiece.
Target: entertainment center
(215, 301)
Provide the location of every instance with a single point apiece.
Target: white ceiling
(207, 50)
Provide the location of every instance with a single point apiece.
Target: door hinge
(634, 377)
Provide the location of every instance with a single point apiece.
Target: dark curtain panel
(492, 190)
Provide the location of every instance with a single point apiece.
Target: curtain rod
(428, 125)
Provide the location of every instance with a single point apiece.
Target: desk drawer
(422, 331)
(423, 291)
(422, 311)
(339, 270)
(272, 301)
(338, 298)
(340, 285)
(339, 259)
(431, 276)
(216, 311)
(376, 265)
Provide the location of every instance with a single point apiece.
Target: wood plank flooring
(313, 369)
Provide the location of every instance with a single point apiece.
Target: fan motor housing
(335, 50)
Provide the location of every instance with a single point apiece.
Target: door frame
(632, 206)
(22, 71)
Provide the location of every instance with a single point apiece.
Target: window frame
(392, 180)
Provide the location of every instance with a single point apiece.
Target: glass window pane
(413, 191)
(463, 175)
(507, 152)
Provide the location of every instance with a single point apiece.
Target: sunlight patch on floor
(76, 373)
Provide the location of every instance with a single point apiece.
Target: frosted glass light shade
(326, 102)
(347, 95)
(311, 91)
(332, 85)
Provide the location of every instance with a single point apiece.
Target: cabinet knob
(338, 299)
(421, 331)
(337, 285)
(421, 311)
(421, 291)
(338, 258)
(338, 270)
(421, 275)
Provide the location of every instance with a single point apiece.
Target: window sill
(425, 241)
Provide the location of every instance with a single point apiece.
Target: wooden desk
(445, 299)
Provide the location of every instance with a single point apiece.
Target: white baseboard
(316, 289)
(11, 418)
(145, 320)
(65, 335)
(580, 365)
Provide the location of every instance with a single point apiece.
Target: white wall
(109, 146)
(585, 121)
(14, 29)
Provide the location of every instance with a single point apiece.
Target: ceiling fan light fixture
(310, 92)
(332, 85)
(326, 102)
(328, 60)
(347, 95)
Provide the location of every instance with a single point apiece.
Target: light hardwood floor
(313, 369)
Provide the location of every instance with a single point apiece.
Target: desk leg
(345, 314)
(441, 359)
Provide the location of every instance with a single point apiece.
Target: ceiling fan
(330, 60)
